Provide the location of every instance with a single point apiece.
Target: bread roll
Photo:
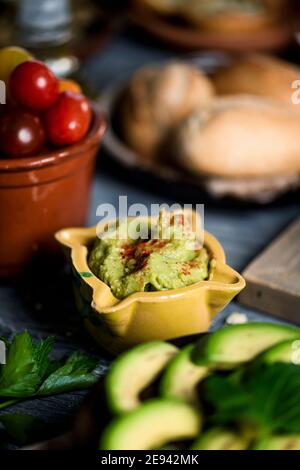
(259, 75)
(230, 16)
(240, 136)
(158, 98)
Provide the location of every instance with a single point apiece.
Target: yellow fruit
(69, 85)
(10, 57)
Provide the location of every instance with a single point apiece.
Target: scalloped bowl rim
(69, 237)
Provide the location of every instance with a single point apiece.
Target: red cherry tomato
(68, 120)
(33, 85)
(21, 133)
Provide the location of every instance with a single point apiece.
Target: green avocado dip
(171, 258)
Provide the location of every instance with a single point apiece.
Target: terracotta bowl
(144, 316)
(39, 195)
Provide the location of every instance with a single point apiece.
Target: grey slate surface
(48, 308)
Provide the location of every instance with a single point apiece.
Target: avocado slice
(151, 426)
(182, 376)
(287, 351)
(134, 371)
(220, 439)
(289, 442)
(234, 345)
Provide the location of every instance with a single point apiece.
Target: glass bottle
(7, 22)
(45, 28)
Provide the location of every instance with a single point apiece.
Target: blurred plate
(250, 190)
(183, 36)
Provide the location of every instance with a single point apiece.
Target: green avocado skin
(128, 266)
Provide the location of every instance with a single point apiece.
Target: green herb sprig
(266, 397)
(29, 372)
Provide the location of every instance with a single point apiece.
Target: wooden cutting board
(273, 278)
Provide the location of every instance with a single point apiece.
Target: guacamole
(171, 258)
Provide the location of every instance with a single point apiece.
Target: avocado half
(234, 345)
(220, 439)
(151, 426)
(134, 371)
(287, 352)
(291, 442)
(181, 377)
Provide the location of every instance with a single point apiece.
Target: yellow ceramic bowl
(120, 324)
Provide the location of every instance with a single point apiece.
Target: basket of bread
(234, 133)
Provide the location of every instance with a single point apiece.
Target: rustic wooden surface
(42, 301)
(273, 278)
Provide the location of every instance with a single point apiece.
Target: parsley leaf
(26, 366)
(264, 396)
(75, 373)
(29, 372)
